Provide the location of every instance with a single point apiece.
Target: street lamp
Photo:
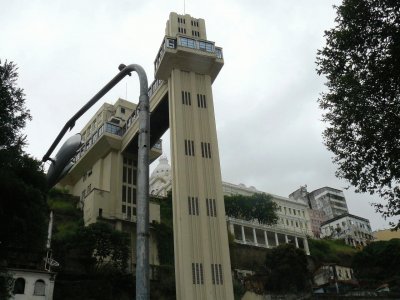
(62, 163)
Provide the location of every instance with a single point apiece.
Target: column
(296, 241)
(232, 229)
(276, 239)
(266, 239)
(306, 249)
(286, 239)
(243, 236)
(255, 236)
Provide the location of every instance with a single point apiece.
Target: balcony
(182, 52)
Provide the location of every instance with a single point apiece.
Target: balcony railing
(106, 127)
(112, 129)
(183, 41)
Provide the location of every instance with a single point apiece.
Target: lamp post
(63, 159)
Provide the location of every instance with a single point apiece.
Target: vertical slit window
(197, 206)
(189, 147)
(183, 97)
(208, 208)
(212, 274)
(123, 193)
(209, 150)
(201, 274)
(129, 194)
(197, 274)
(190, 205)
(220, 274)
(216, 274)
(193, 274)
(130, 175)
(202, 149)
(213, 208)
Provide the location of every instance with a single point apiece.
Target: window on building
(19, 286)
(193, 203)
(122, 110)
(100, 212)
(216, 274)
(205, 150)
(201, 101)
(189, 147)
(197, 273)
(186, 99)
(211, 207)
(39, 289)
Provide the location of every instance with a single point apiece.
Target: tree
(287, 268)
(258, 207)
(102, 248)
(361, 62)
(13, 113)
(23, 209)
(379, 261)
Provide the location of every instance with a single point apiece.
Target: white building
(331, 201)
(355, 231)
(293, 218)
(32, 284)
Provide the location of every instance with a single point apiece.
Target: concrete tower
(189, 63)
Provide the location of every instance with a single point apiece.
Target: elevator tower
(189, 63)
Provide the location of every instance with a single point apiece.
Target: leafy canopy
(258, 207)
(378, 261)
(361, 62)
(13, 113)
(23, 209)
(287, 266)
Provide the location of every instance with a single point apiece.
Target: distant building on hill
(293, 224)
(354, 230)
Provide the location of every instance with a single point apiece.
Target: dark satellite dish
(61, 164)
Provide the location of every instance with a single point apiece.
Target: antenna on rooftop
(184, 7)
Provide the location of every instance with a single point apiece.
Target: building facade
(104, 174)
(354, 230)
(32, 284)
(293, 224)
(181, 99)
(329, 200)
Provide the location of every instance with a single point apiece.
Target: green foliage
(102, 248)
(258, 207)
(165, 243)
(238, 289)
(13, 113)
(6, 283)
(164, 231)
(361, 62)
(378, 261)
(165, 287)
(331, 251)
(23, 209)
(287, 266)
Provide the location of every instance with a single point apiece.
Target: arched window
(39, 288)
(19, 286)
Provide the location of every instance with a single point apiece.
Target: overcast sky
(268, 120)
